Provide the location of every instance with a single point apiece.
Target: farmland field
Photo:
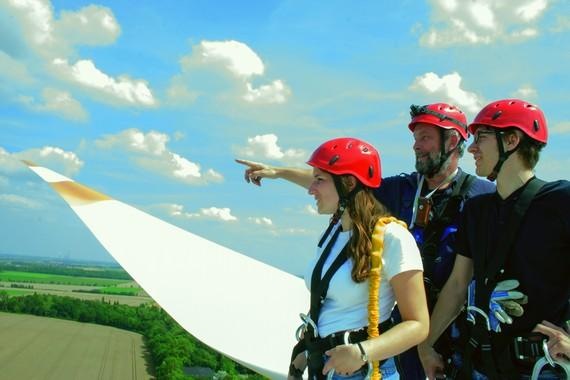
(32, 277)
(45, 348)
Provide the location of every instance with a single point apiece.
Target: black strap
(487, 269)
(434, 230)
(320, 285)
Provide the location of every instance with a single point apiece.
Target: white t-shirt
(346, 303)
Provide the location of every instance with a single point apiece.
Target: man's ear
(512, 140)
(453, 141)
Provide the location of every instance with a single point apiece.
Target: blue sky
(149, 102)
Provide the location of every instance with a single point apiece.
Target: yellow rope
(374, 282)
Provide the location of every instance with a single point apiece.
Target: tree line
(170, 347)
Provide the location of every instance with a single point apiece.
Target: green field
(12, 276)
(15, 292)
(120, 290)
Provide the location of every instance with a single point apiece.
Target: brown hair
(364, 210)
(528, 148)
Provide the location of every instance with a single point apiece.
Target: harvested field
(68, 291)
(46, 348)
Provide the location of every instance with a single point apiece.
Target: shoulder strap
(320, 286)
(487, 269)
(486, 277)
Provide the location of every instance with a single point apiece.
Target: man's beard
(431, 165)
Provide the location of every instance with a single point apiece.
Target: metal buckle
(307, 321)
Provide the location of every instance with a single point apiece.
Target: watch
(363, 355)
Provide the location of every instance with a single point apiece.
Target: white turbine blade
(243, 308)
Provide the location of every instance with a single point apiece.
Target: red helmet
(346, 155)
(516, 113)
(441, 115)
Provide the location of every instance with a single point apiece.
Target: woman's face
(324, 191)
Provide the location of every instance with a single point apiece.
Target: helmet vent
(334, 159)
(370, 172)
(496, 115)
(536, 125)
(512, 102)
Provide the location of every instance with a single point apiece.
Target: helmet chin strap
(443, 156)
(503, 155)
(344, 197)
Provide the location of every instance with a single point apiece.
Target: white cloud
(19, 201)
(311, 210)
(224, 67)
(124, 89)
(54, 158)
(150, 152)
(235, 56)
(91, 25)
(46, 45)
(448, 87)
(9, 163)
(57, 102)
(264, 221)
(562, 128)
(562, 24)
(276, 92)
(265, 147)
(214, 213)
(526, 92)
(482, 22)
(14, 70)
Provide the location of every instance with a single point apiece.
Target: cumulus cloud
(237, 61)
(266, 147)
(311, 210)
(51, 37)
(60, 103)
(457, 22)
(124, 89)
(14, 70)
(562, 128)
(9, 163)
(54, 158)
(448, 87)
(263, 221)
(526, 92)
(14, 200)
(91, 25)
(562, 24)
(213, 213)
(43, 44)
(149, 151)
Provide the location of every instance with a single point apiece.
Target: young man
(515, 243)
(428, 200)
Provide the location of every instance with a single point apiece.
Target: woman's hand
(558, 340)
(344, 359)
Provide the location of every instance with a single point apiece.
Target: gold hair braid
(374, 281)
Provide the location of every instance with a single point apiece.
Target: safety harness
(314, 345)
(433, 232)
(487, 272)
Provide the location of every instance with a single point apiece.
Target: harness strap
(319, 286)
(487, 270)
(434, 230)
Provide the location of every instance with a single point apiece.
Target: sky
(150, 102)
